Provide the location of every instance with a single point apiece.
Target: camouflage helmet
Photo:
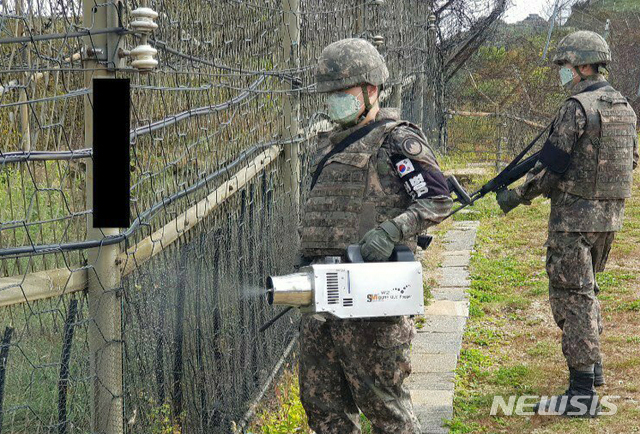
(347, 63)
(582, 48)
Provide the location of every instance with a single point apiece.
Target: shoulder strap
(595, 86)
(345, 143)
(593, 117)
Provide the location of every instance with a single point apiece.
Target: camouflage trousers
(573, 259)
(351, 365)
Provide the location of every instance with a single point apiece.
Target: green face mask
(566, 76)
(343, 108)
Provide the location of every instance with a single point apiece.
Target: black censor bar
(111, 179)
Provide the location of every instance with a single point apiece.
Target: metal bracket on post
(115, 40)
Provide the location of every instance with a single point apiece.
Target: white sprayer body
(364, 290)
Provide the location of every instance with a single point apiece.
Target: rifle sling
(515, 161)
(344, 144)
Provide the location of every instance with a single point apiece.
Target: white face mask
(566, 76)
(344, 108)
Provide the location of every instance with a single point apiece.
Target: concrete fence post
(104, 279)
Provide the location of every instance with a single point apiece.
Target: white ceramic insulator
(143, 26)
(143, 22)
(143, 57)
(144, 13)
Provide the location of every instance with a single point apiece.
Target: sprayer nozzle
(269, 290)
(291, 290)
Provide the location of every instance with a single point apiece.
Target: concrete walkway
(436, 348)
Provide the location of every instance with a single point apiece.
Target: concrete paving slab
(427, 398)
(450, 293)
(435, 431)
(425, 363)
(447, 308)
(430, 380)
(437, 343)
(438, 412)
(454, 277)
(432, 418)
(458, 258)
(443, 324)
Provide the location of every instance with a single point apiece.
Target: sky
(520, 9)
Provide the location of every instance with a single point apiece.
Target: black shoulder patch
(554, 158)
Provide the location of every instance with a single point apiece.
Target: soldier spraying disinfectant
(375, 182)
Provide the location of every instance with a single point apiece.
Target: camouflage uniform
(346, 365)
(390, 176)
(587, 208)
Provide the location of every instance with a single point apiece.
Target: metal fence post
(502, 140)
(25, 129)
(290, 36)
(432, 118)
(105, 310)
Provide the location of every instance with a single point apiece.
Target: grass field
(512, 346)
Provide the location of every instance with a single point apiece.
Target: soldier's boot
(579, 400)
(598, 375)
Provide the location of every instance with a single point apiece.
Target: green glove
(509, 199)
(378, 243)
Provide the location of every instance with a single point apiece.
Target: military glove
(377, 244)
(508, 200)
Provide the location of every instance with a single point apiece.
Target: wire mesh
(212, 200)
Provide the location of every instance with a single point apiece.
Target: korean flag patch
(404, 167)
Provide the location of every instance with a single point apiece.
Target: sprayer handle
(354, 254)
(401, 253)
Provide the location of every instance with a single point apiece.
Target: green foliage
(489, 53)
(457, 426)
(426, 290)
(287, 416)
(511, 376)
(541, 349)
(472, 360)
(483, 336)
(631, 306)
(161, 421)
(608, 280)
(44, 191)
(365, 424)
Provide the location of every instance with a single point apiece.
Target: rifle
(515, 170)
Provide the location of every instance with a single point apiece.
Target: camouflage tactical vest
(602, 159)
(353, 194)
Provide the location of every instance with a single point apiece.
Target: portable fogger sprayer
(354, 289)
(358, 289)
